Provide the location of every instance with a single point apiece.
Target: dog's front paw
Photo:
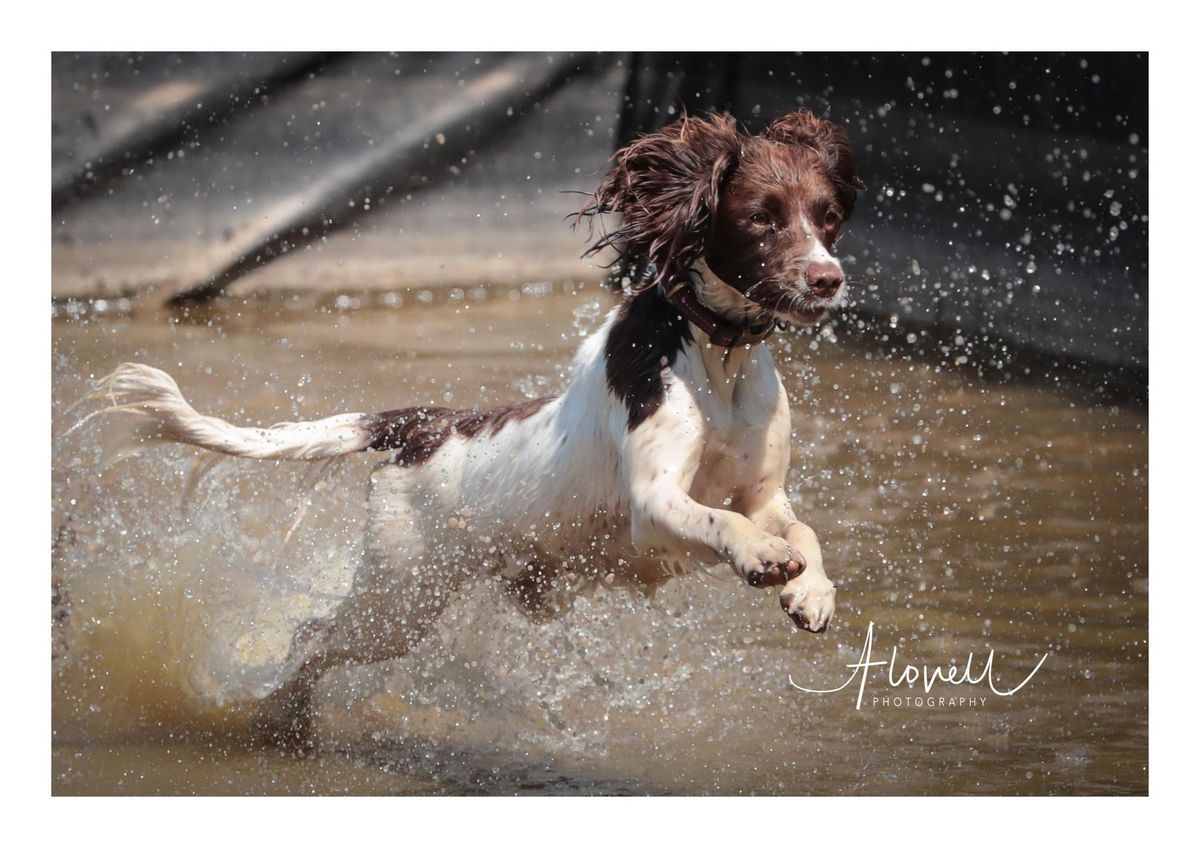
(768, 561)
(809, 600)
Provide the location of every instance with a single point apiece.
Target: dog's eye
(832, 218)
(760, 218)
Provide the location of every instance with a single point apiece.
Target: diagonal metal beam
(482, 108)
(162, 116)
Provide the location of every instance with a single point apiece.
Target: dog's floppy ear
(829, 141)
(665, 188)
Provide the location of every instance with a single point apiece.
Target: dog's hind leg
(411, 568)
(413, 565)
(284, 718)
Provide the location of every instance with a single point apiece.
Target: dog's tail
(158, 412)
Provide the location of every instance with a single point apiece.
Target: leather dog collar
(720, 332)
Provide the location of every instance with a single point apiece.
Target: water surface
(957, 514)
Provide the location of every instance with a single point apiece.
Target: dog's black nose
(824, 278)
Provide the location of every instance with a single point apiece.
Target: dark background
(1005, 218)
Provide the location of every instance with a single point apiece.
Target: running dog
(667, 451)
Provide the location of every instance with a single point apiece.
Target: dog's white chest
(746, 428)
(733, 471)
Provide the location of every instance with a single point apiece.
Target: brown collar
(720, 332)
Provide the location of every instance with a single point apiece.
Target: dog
(667, 451)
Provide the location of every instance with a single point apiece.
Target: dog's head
(763, 211)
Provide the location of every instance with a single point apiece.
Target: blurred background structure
(1006, 206)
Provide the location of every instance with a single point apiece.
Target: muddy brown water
(957, 516)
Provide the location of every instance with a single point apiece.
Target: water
(956, 514)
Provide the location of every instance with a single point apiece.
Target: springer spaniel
(670, 445)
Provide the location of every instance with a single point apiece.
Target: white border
(858, 26)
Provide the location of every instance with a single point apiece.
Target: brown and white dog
(668, 449)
